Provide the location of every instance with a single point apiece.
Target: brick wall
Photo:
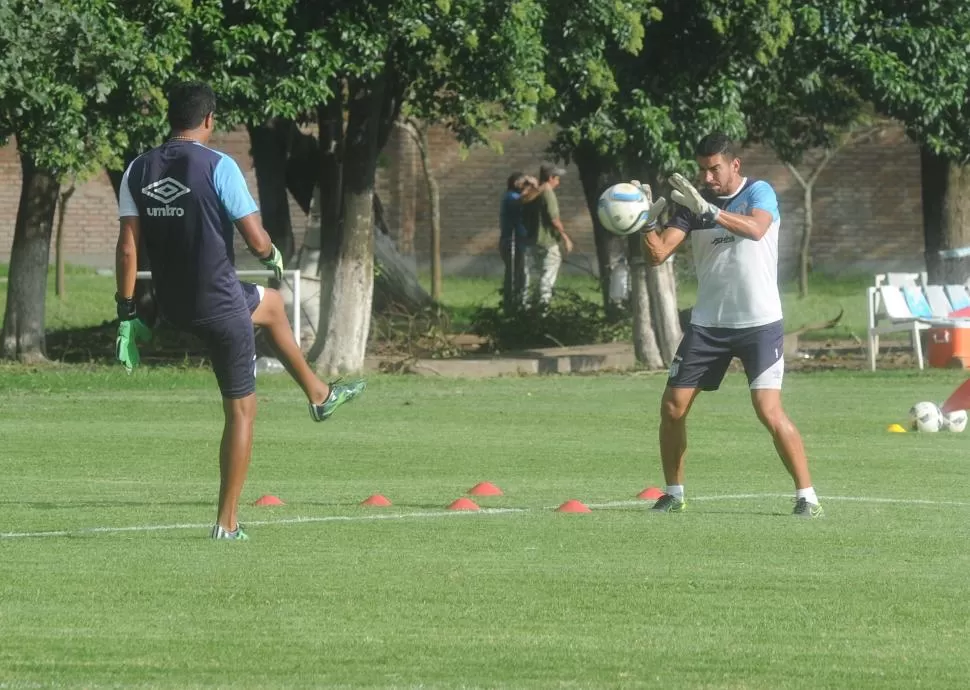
(867, 203)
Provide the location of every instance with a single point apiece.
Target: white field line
(280, 521)
(451, 513)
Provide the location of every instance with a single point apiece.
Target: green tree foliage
(352, 67)
(75, 77)
(912, 62)
(645, 96)
(639, 82)
(798, 102)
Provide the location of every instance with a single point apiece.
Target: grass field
(107, 578)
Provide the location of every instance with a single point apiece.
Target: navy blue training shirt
(187, 197)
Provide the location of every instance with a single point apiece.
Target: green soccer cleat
(340, 393)
(220, 532)
(669, 504)
(806, 510)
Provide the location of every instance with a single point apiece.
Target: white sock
(676, 490)
(808, 494)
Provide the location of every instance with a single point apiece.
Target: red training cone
(268, 500)
(651, 493)
(573, 506)
(485, 489)
(377, 500)
(463, 504)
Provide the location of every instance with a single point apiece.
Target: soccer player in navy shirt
(184, 200)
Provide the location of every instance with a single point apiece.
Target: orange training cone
(463, 504)
(268, 500)
(573, 506)
(377, 500)
(485, 489)
(651, 493)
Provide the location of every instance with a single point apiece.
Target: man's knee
(767, 405)
(271, 308)
(674, 408)
(240, 410)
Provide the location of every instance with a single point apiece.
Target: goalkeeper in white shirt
(733, 227)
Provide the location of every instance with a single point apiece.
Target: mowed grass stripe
(735, 593)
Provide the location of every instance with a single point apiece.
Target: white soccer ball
(623, 208)
(925, 416)
(955, 421)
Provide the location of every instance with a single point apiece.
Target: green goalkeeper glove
(687, 196)
(274, 262)
(131, 331)
(656, 207)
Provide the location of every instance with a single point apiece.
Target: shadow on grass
(96, 344)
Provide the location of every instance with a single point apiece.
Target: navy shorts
(705, 353)
(231, 343)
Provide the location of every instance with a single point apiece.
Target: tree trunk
(395, 284)
(609, 249)
(419, 131)
(645, 346)
(303, 165)
(946, 218)
(349, 299)
(60, 284)
(804, 249)
(808, 187)
(662, 287)
(23, 321)
(269, 143)
(323, 240)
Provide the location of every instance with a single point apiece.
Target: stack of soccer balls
(927, 416)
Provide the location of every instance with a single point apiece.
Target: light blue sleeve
(232, 190)
(126, 204)
(763, 197)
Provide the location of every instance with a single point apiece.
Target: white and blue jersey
(187, 197)
(737, 278)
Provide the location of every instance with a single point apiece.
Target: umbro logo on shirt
(165, 190)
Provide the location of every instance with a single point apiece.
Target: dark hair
(714, 144)
(515, 179)
(188, 104)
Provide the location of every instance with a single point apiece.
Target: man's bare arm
(751, 227)
(661, 244)
(567, 241)
(531, 191)
(255, 235)
(126, 256)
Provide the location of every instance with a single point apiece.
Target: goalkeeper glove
(131, 331)
(656, 207)
(274, 262)
(687, 196)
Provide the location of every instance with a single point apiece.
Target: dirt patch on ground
(847, 355)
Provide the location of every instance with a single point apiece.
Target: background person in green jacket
(545, 227)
